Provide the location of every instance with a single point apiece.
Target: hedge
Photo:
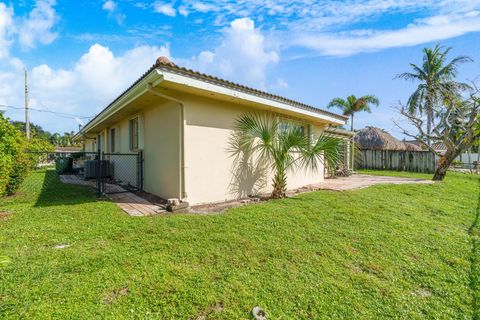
(13, 159)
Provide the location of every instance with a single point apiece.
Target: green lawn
(384, 252)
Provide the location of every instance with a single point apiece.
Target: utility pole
(27, 119)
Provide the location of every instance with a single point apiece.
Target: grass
(384, 252)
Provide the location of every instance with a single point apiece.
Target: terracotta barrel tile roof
(163, 63)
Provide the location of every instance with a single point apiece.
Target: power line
(69, 115)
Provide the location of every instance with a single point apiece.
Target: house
(182, 121)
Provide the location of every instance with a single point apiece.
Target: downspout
(183, 187)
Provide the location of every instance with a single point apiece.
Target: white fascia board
(211, 87)
(154, 78)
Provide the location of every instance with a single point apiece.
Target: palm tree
(349, 107)
(352, 105)
(281, 147)
(436, 82)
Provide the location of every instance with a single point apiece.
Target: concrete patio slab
(358, 181)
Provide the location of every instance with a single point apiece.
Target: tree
(55, 139)
(436, 82)
(349, 107)
(36, 131)
(456, 127)
(352, 105)
(280, 146)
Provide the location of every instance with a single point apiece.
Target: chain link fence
(105, 172)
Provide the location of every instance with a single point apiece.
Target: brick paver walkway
(129, 202)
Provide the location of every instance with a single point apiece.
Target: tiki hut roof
(371, 138)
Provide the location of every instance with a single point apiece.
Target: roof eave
(136, 90)
(246, 95)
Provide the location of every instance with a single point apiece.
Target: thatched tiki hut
(377, 149)
(371, 138)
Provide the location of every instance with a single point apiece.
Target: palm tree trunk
(279, 184)
(429, 112)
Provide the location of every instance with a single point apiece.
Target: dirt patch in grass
(114, 295)
(422, 292)
(4, 215)
(213, 308)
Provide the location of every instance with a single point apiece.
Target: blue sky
(82, 54)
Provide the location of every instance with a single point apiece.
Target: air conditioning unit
(91, 167)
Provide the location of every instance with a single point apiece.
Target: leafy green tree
(280, 147)
(36, 131)
(436, 83)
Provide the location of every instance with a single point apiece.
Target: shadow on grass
(52, 192)
(474, 233)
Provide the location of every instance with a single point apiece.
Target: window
(284, 126)
(134, 134)
(112, 140)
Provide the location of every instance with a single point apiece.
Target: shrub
(6, 164)
(13, 160)
(18, 173)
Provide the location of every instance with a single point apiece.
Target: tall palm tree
(281, 147)
(352, 105)
(436, 80)
(349, 107)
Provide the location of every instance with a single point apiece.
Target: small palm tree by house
(436, 82)
(349, 107)
(280, 146)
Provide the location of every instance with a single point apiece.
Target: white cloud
(183, 11)
(113, 12)
(165, 8)
(435, 28)
(6, 24)
(204, 7)
(326, 26)
(279, 84)
(109, 6)
(85, 89)
(37, 26)
(242, 56)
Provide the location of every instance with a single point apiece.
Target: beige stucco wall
(159, 136)
(209, 167)
(162, 150)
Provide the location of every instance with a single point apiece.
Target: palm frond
(339, 103)
(327, 150)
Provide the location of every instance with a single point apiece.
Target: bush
(6, 164)
(13, 160)
(18, 173)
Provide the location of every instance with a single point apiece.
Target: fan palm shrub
(280, 147)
